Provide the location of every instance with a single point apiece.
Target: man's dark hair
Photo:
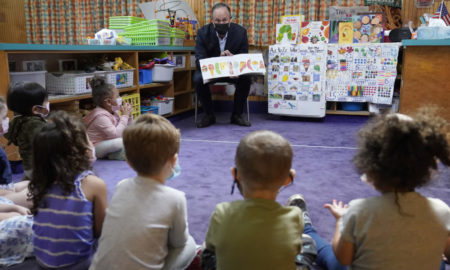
(220, 5)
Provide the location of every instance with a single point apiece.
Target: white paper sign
(231, 66)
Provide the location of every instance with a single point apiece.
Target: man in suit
(221, 38)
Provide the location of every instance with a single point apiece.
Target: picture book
(338, 13)
(345, 32)
(231, 66)
(293, 19)
(315, 32)
(287, 33)
(368, 28)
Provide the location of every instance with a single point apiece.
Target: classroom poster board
(296, 79)
(232, 66)
(361, 72)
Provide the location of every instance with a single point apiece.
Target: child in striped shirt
(69, 202)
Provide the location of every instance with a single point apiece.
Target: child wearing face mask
(29, 101)
(104, 124)
(146, 223)
(69, 202)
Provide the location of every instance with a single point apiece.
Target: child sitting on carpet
(257, 232)
(146, 224)
(400, 229)
(69, 202)
(104, 124)
(29, 101)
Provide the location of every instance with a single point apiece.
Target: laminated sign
(231, 66)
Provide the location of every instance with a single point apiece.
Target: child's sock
(119, 155)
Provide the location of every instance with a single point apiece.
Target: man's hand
(226, 53)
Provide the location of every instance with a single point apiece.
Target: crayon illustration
(211, 69)
(217, 68)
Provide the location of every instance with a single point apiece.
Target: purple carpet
(323, 150)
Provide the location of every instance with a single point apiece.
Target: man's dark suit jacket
(207, 42)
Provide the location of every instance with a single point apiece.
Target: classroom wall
(411, 13)
(12, 21)
(199, 10)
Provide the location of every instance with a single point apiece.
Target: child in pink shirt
(104, 124)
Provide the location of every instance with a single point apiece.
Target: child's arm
(343, 250)
(95, 191)
(105, 125)
(11, 210)
(179, 233)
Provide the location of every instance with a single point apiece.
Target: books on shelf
(315, 32)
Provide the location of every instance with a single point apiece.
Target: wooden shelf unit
(180, 88)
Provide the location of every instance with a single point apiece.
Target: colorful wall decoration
(361, 72)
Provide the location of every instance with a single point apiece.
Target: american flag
(442, 13)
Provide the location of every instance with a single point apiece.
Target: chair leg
(248, 111)
(196, 106)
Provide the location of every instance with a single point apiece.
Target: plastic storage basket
(32, 76)
(162, 73)
(149, 109)
(120, 78)
(135, 101)
(72, 83)
(121, 22)
(164, 106)
(145, 76)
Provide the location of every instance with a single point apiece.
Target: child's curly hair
(399, 153)
(60, 153)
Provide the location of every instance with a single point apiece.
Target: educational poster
(368, 28)
(287, 33)
(315, 32)
(361, 72)
(296, 79)
(338, 13)
(293, 19)
(229, 66)
(345, 33)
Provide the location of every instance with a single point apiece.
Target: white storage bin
(162, 73)
(164, 107)
(120, 78)
(70, 83)
(32, 76)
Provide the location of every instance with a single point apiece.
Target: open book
(231, 66)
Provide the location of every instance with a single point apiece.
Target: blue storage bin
(145, 76)
(352, 106)
(149, 109)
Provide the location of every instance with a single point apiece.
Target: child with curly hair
(400, 229)
(69, 202)
(104, 124)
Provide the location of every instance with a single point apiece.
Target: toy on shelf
(120, 64)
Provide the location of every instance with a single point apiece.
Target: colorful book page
(230, 66)
(368, 28)
(345, 32)
(334, 32)
(287, 33)
(315, 32)
(293, 19)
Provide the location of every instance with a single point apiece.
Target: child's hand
(22, 210)
(338, 209)
(126, 108)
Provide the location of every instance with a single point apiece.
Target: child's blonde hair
(149, 142)
(263, 159)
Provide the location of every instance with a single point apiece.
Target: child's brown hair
(400, 153)
(263, 159)
(149, 142)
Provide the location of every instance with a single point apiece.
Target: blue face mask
(175, 171)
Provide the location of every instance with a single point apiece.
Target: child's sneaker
(299, 201)
(305, 260)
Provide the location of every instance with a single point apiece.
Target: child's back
(146, 222)
(255, 232)
(29, 102)
(68, 200)
(400, 229)
(258, 232)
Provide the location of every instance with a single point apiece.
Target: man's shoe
(238, 120)
(299, 201)
(206, 121)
